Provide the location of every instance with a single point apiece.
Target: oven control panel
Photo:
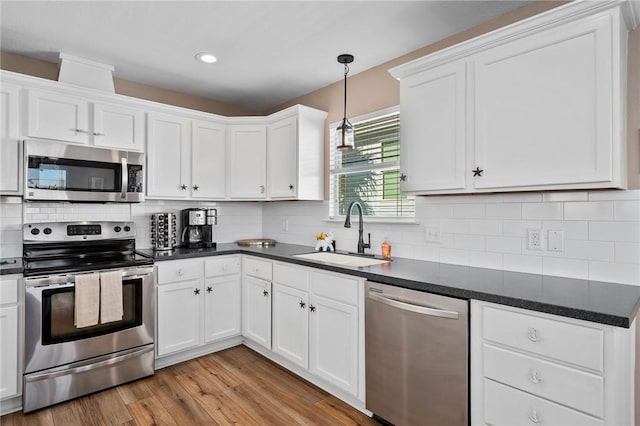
(77, 231)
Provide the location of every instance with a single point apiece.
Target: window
(370, 173)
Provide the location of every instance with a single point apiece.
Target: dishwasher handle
(419, 309)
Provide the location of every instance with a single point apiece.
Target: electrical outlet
(555, 240)
(432, 233)
(534, 239)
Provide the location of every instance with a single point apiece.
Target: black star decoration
(477, 172)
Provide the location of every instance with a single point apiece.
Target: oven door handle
(125, 178)
(88, 365)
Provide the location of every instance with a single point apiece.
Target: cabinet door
(9, 356)
(10, 155)
(208, 161)
(256, 310)
(433, 137)
(168, 156)
(334, 342)
(544, 109)
(54, 115)
(179, 316)
(117, 126)
(282, 159)
(247, 162)
(222, 307)
(291, 324)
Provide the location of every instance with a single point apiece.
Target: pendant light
(344, 132)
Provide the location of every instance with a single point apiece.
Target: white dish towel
(87, 300)
(111, 296)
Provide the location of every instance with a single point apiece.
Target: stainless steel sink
(341, 259)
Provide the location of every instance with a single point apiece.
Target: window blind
(370, 173)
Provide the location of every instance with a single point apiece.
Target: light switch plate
(432, 234)
(555, 240)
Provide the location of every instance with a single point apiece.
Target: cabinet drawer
(568, 386)
(171, 272)
(222, 266)
(576, 344)
(9, 291)
(507, 406)
(340, 288)
(257, 268)
(291, 276)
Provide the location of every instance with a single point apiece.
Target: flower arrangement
(324, 242)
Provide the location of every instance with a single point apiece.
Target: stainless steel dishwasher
(417, 357)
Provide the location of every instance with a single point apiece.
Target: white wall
(601, 230)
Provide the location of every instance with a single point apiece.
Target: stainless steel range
(89, 316)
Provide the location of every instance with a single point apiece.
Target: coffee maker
(197, 227)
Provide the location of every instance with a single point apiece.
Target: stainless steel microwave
(56, 171)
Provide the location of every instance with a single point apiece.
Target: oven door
(51, 338)
(55, 171)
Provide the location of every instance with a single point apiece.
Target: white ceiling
(268, 51)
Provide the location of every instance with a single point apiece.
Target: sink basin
(341, 259)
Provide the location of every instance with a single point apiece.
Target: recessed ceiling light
(205, 57)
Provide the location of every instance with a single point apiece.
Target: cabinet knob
(98, 134)
(196, 291)
(209, 289)
(290, 187)
(262, 189)
(532, 334)
(183, 187)
(265, 293)
(535, 377)
(403, 177)
(196, 187)
(534, 417)
(477, 172)
(302, 304)
(312, 308)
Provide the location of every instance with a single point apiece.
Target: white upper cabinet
(295, 155)
(10, 154)
(168, 156)
(208, 161)
(537, 105)
(74, 118)
(433, 113)
(117, 126)
(247, 161)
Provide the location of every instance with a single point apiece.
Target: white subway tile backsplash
(455, 226)
(614, 231)
(522, 263)
(592, 210)
(627, 252)
(504, 244)
(522, 197)
(565, 196)
(563, 267)
(518, 228)
(485, 227)
(614, 195)
(627, 210)
(625, 273)
(590, 250)
(483, 259)
(542, 211)
(503, 211)
(469, 242)
(454, 256)
(573, 230)
(468, 211)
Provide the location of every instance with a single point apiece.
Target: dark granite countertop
(601, 302)
(10, 265)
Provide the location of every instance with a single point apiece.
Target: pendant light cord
(346, 71)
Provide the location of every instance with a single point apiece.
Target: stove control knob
(47, 231)
(35, 231)
(117, 229)
(127, 228)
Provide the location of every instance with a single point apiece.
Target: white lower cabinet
(256, 301)
(535, 368)
(10, 376)
(194, 309)
(316, 323)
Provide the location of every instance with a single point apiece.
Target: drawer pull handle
(534, 417)
(533, 335)
(535, 377)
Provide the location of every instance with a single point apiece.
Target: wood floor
(236, 386)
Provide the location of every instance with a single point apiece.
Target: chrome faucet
(347, 224)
